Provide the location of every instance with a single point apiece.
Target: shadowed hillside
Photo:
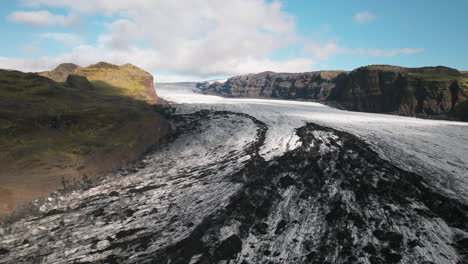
(56, 135)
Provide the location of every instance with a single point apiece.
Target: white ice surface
(435, 149)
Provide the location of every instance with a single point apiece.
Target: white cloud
(186, 37)
(203, 38)
(364, 17)
(43, 18)
(387, 53)
(323, 50)
(65, 38)
(152, 61)
(121, 34)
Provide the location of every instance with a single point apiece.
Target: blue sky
(187, 39)
(440, 27)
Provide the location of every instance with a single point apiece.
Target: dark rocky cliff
(428, 91)
(408, 91)
(308, 85)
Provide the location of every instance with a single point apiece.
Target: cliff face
(461, 111)
(378, 88)
(127, 79)
(370, 90)
(309, 85)
(407, 91)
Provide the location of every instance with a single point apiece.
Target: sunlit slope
(127, 79)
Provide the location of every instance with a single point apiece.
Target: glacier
(265, 181)
(435, 148)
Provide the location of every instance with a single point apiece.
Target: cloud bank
(202, 38)
(184, 37)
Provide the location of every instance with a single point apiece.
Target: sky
(188, 40)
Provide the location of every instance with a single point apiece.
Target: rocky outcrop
(309, 85)
(127, 79)
(79, 82)
(428, 91)
(409, 91)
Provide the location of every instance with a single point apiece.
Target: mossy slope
(53, 135)
(127, 79)
(61, 72)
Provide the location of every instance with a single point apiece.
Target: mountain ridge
(127, 78)
(427, 91)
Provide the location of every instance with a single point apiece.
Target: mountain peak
(127, 79)
(102, 64)
(67, 66)
(61, 72)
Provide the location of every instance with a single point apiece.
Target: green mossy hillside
(127, 80)
(54, 134)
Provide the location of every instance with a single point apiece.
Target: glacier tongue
(435, 149)
(254, 181)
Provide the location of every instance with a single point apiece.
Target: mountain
(408, 91)
(428, 91)
(58, 134)
(127, 79)
(309, 85)
(61, 72)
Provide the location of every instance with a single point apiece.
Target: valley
(258, 181)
